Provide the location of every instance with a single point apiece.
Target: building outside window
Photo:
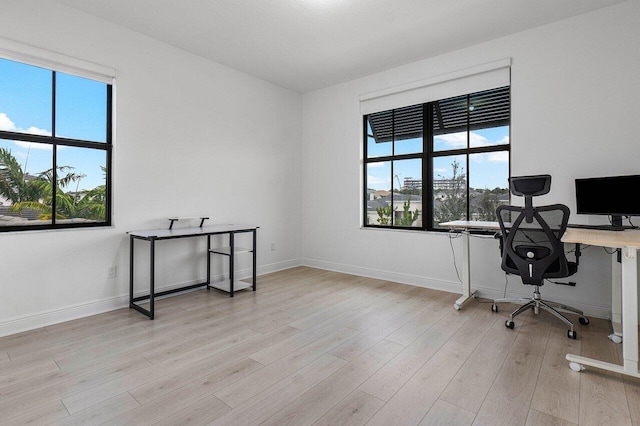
(55, 149)
(439, 161)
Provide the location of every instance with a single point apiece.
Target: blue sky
(489, 170)
(25, 107)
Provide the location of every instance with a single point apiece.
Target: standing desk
(629, 242)
(151, 236)
(465, 226)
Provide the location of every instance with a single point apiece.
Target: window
(438, 161)
(55, 149)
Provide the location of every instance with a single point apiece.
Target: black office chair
(531, 247)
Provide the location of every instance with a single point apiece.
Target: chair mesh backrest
(543, 235)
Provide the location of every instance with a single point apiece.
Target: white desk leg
(630, 309)
(616, 299)
(466, 273)
(629, 323)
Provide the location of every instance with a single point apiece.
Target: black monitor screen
(615, 195)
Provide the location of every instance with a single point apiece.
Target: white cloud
(6, 123)
(499, 156)
(376, 165)
(36, 131)
(32, 145)
(9, 126)
(374, 180)
(442, 170)
(478, 140)
(459, 140)
(452, 140)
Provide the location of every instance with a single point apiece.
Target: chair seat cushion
(552, 272)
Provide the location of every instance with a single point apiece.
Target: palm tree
(14, 184)
(37, 193)
(87, 204)
(91, 204)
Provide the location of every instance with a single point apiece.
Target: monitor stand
(616, 221)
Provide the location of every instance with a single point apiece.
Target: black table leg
(152, 278)
(254, 259)
(131, 239)
(231, 266)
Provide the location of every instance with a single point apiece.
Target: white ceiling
(305, 45)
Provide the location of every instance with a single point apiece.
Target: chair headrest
(530, 186)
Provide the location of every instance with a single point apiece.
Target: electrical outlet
(273, 246)
(112, 271)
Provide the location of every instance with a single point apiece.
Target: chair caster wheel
(575, 366)
(509, 324)
(572, 334)
(583, 320)
(494, 308)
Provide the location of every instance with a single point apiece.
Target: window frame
(427, 157)
(56, 141)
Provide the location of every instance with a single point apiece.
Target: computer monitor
(616, 196)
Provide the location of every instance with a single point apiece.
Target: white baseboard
(596, 311)
(415, 280)
(43, 319)
(279, 266)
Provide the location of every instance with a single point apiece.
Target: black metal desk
(167, 234)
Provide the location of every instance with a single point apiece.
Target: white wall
(575, 89)
(192, 137)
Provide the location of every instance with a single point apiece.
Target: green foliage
(14, 185)
(384, 214)
(488, 202)
(36, 193)
(453, 200)
(408, 217)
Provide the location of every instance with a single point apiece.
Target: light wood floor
(312, 347)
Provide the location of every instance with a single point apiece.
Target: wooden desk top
(617, 239)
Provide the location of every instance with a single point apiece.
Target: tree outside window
(436, 162)
(55, 149)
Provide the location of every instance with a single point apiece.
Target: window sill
(444, 231)
(40, 231)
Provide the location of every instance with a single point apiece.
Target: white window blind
(43, 58)
(476, 79)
